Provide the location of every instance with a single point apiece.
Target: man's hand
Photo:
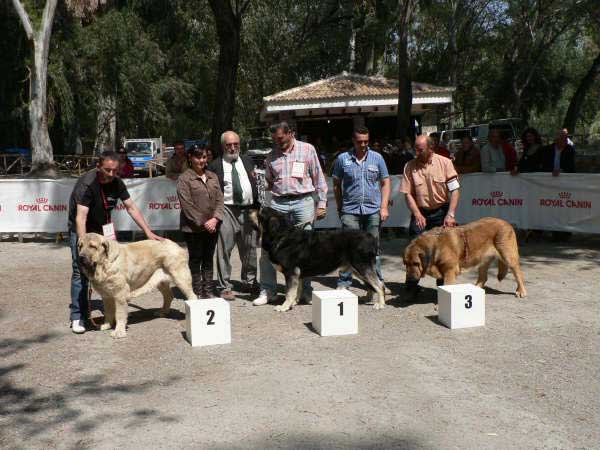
(420, 221)
(321, 213)
(384, 214)
(449, 221)
(211, 225)
(154, 237)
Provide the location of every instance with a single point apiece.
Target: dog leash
(464, 238)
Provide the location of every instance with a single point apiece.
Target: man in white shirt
(238, 183)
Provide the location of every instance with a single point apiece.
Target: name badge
(298, 169)
(108, 231)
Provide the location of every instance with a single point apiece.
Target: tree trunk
(404, 127)
(570, 120)
(106, 124)
(229, 27)
(41, 148)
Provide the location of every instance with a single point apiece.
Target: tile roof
(347, 85)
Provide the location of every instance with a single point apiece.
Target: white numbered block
(208, 322)
(461, 305)
(335, 312)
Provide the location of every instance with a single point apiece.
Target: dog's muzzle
(87, 265)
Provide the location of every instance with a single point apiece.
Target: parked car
(510, 129)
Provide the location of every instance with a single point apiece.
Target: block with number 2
(208, 322)
(335, 312)
(461, 305)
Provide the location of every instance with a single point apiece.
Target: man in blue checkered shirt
(361, 184)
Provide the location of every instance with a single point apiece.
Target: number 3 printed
(469, 303)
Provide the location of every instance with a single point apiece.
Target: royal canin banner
(570, 202)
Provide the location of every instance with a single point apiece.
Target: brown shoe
(228, 295)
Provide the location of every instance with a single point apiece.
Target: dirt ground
(528, 379)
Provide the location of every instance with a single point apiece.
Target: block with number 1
(461, 305)
(335, 312)
(208, 322)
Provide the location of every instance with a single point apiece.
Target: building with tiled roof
(333, 106)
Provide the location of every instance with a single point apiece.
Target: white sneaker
(263, 298)
(77, 326)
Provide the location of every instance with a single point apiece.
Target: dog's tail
(502, 270)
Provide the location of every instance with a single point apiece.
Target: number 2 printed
(211, 315)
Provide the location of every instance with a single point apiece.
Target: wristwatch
(451, 215)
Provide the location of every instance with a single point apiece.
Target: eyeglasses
(232, 144)
(108, 171)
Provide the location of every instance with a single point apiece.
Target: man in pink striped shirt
(293, 174)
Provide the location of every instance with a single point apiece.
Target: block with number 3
(208, 322)
(461, 305)
(335, 312)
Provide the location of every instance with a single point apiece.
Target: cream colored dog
(120, 272)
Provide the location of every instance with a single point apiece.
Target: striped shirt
(308, 177)
(360, 181)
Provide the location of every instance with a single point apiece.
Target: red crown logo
(496, 193)
(171, 198)
(564, 195)
(41, 200)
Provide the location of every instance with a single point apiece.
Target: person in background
(94, 196)
(467, 159)
(126, 169)
(178, 162)
(532, 141)
(210, 154)
(437, 147)
(556, 158)
(565, 131)
(201, 201)
(498, 155)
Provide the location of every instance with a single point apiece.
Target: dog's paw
(521, 293)
(378, 305)
(118, 334)
(281, 308)
(105, 326)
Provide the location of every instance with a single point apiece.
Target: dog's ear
(274, 224)
(425, 260)
(109, 248)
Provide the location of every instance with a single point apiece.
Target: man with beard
(238, 183)
(94, 197)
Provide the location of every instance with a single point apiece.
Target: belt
(291, 196)
(432, 210)
(240, 206)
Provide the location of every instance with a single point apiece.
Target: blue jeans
(434, 218)
(79, 284)
(366, 222)
(301, 211)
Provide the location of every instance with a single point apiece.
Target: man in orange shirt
(430, 183)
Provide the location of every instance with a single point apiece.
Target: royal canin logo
(41, 204)
(497, 198)
(564, 201)
(172, 202)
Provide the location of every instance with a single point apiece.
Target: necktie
(238, 193)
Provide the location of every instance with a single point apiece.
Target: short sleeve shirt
(89, 192)
(427, 182)
(361, 181)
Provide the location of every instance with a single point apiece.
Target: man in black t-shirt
(94, 197)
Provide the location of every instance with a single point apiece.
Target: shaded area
(35, 411)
